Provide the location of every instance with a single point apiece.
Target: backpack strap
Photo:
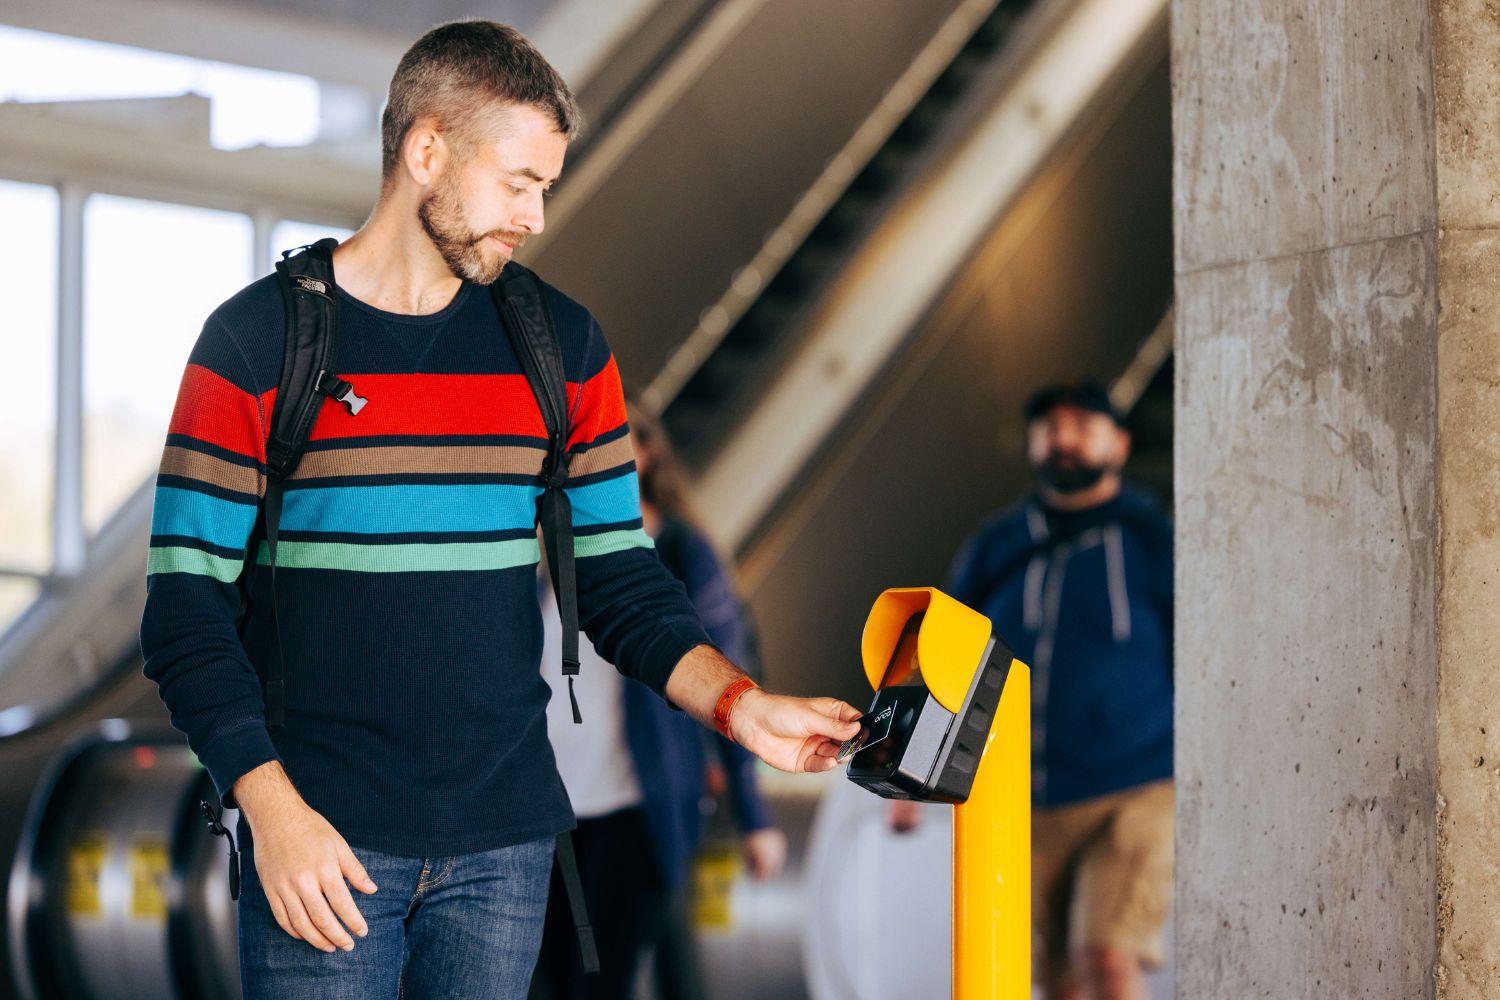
(567, 866)
(312, 323)
(528, 323)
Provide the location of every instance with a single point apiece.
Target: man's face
(478, 211)
(1070, 449)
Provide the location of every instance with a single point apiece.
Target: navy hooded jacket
(1084, 598)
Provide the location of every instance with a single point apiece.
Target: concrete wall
(1338, 484)
(1466, 47)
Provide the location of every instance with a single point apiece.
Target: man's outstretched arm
(792, 734)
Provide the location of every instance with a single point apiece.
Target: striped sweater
(406, 568)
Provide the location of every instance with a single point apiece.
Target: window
(28, 406)
(152, 273)
(289, 234)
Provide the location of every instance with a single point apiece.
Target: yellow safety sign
(85, 867)
(149, 866)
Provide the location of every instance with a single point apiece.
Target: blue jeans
(467, 926)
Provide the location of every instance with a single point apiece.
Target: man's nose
(530, 219)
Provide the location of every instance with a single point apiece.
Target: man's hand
(302, 861)
(793, 734)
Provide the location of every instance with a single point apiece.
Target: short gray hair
(461, 73)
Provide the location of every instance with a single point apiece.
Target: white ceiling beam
(38, 146)
(339, 52)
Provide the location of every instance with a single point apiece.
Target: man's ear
(424, 151)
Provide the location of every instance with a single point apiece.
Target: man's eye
(516, 190)
(547, 192)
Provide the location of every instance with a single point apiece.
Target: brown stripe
(179, 461)
(416, 458)
(606, 456)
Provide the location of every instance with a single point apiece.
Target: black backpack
(312, 323)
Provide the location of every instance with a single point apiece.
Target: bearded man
(413, 763)
(1078, 579)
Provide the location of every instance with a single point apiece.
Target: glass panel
(140, 322)
(289, 234)
(28, 406)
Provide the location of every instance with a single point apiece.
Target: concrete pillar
(1337, 201)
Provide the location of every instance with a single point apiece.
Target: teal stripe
(609, 502)
(177, 511)
(182, 559)
(403, 557)
(606, 542)
(393, 509)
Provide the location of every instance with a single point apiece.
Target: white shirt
(593, 758)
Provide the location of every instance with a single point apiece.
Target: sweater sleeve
(637, 614)
(208, 488)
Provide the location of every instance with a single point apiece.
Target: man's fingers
(303, 923)
(337, 892)
(311, 891)
(841, 711)
(828, 718)
(354, 871)
(817, 765)
(278, 910)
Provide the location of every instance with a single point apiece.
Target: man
(1078, 580)
(414, 762)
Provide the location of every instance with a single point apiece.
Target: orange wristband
(725, 707)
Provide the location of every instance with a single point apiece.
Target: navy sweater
(1084, 598)
(406, 568)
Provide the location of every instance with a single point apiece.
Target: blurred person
(638, 774)
(413, 763)
(1077, 578)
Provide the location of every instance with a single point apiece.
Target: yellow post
(992, 828)
(992, 858)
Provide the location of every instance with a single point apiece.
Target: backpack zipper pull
(331, 385)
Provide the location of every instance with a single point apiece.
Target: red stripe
(429, 403)
(211, 408)
(602, 407)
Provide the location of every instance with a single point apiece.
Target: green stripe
(183, 559)
(403, 557)
(611, 541)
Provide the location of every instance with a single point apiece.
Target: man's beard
(1071, 476)
(441, 214)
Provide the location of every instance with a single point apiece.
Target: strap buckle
(331, 385)
(218, 829)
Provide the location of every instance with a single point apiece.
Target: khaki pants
(1101, 876)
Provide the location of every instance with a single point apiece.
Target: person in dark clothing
(413, 764)
(637, 779)
(1077, 578)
